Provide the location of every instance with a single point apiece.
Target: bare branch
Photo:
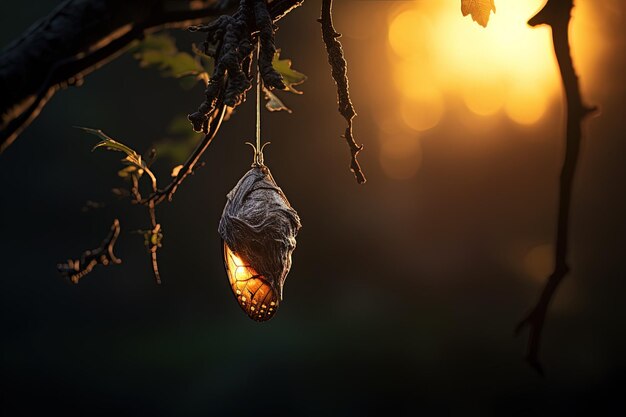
(339, 70)
(75, 269)
(168, 192)
(557, 15)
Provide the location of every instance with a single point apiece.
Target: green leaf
(291, 77)
(132, 157)
(274, 103)
(152, 238)
(160, 52)
(180, 141)
(207, 62)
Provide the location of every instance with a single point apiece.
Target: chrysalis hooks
(258, 149)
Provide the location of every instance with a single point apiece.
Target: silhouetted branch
(75, 269)
(79, 37)
(339, 70)
(557, 15)
(229, 42)
(168, 192)
(154, 236)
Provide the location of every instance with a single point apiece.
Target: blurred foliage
(291, 77)
(179, 142)
(159, 51)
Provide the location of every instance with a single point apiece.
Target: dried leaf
(480, 10)
(176, 170)
(290, 76)
(274, 103)
(130, 170)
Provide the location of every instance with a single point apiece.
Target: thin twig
(339, 70)
(75, 269)
(187, 169)
(557, 15)
(154, 236)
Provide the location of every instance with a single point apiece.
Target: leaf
(480, 10)
(160, 52)
(291, 77)
(152, 238)
(128, 171)
(176, 170)
(207, 62)
(179, 142)
(132, 157)
(274, 103)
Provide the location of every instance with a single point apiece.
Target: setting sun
(507, 67)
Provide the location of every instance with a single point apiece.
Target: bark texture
(80, 36)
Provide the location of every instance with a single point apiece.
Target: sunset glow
(507, 67)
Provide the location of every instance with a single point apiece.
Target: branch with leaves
(160, 52)
(224, 65)
(81, 36)
(136, 167)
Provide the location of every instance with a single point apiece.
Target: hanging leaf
(290, 76)
(274, 103)
(480, 10)
(259, 229)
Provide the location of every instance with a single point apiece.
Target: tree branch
(75, 269)
(79, 37)
(557, 15)
(339, 71)
(168, 192)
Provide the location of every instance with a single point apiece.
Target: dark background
(403, 295)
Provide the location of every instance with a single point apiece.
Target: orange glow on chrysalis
(252, 291)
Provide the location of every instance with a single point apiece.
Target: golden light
(253, 292)
(507, 68)
(539, 261)
(400, 155)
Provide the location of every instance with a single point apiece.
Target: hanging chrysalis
(259, 228)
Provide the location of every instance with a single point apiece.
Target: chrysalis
(259, 228)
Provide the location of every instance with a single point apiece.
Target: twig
(168, 192)
(339, 70)
(557, 15)
(154, 243)
(75, 269)
(154, 236)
